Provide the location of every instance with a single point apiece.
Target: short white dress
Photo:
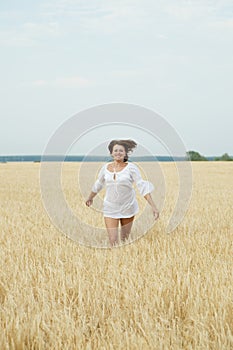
(120, 198)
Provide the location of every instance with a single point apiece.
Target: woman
(120, 204)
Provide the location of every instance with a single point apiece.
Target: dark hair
(128, 145)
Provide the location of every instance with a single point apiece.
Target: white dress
(120, 198)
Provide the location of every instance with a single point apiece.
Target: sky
(61, 57)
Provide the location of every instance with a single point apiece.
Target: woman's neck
(118, 162)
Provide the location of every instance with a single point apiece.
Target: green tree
(224, 157)
(195, 156)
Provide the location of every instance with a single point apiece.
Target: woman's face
(118, 152)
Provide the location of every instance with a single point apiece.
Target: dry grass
(161, 292)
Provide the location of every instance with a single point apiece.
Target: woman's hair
(128, 145)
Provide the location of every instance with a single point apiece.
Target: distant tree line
(195, 156)
(224, 157)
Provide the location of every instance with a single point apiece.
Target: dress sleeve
(143, 186)
(100, 182)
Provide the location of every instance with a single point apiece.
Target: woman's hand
(155, 213)
(89, 202)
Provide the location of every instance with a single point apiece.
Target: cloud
(65, 17)
(186, 11)
(67, 82)
(161, 36)
(29, 34)
(128, 16)
(105, 16)
(126, 73)
(38, 29)
(222, 24)
(11, 15)
(195, 10)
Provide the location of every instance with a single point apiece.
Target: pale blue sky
(60, 57)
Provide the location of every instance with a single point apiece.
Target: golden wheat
(160, 292)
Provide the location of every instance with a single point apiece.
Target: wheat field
(163, 291)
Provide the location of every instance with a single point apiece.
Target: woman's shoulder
(132, 166)
(103, 167)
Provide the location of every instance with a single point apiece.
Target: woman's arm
(145, 188)
(98, 185)
(89, 201)
(152, 204)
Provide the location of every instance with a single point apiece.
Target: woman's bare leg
(112, 228)
(126, 225)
